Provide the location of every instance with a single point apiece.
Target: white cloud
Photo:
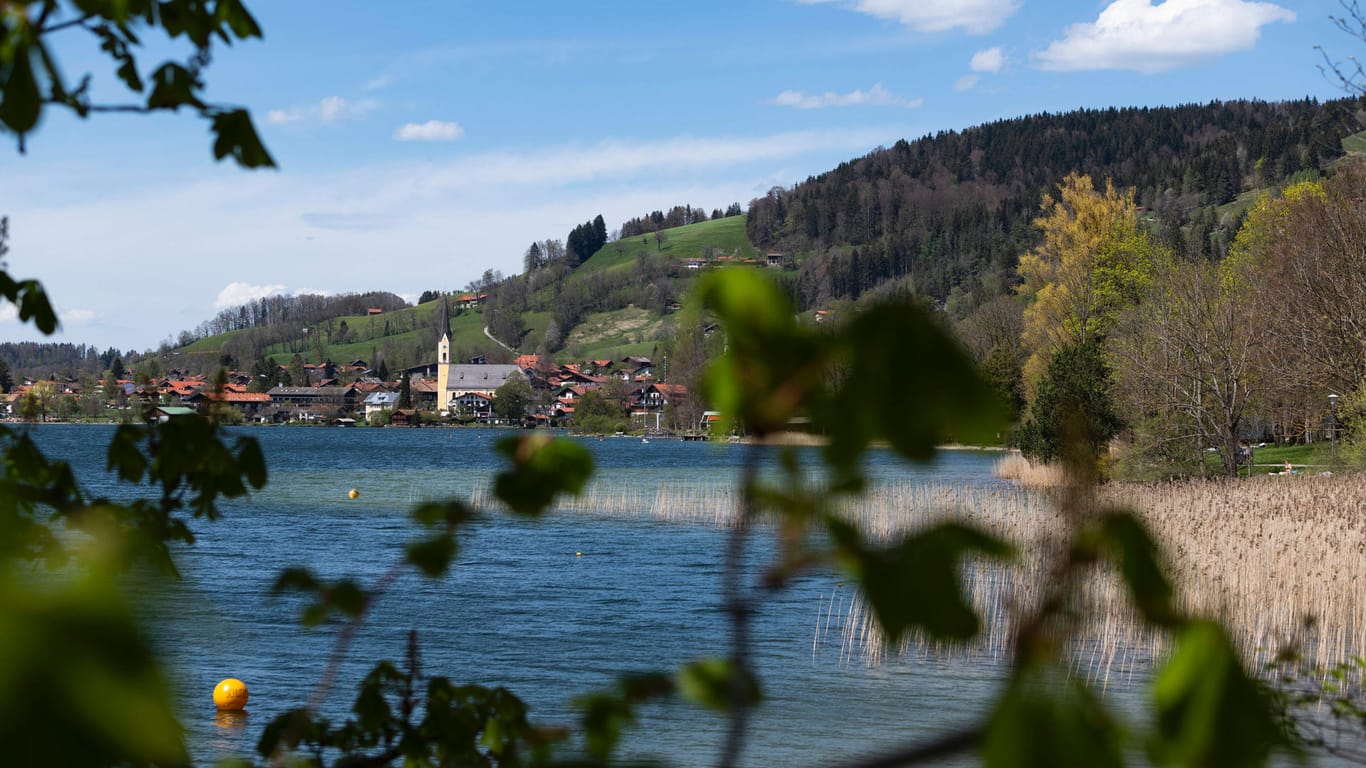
(78, 316)
(234, 294)
(875, 96)
(432, 130)
(967, 82)
(332, 109)
(383, 81)
(974, 16)
(988, 60)
(8, 312)
(1138, 35)
(336, 231)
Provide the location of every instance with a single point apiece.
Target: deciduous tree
(1093, 262)
(511, 399)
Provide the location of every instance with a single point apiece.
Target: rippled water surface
(521, 608)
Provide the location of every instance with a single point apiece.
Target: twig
(739, 611)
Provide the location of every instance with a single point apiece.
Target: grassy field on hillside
(724, 235)
(368, 334)
(1355, 144)
(630, 331)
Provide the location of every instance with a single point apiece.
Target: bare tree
(1349, 76)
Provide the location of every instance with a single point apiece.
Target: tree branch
(915, 754)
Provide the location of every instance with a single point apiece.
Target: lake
(551, 609)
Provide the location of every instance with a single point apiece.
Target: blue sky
(422, 142)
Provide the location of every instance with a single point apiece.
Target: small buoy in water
(230, 695)
(353, 493)
(578, 554)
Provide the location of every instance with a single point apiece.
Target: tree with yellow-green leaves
(1093, 262)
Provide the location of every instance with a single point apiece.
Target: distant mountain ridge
(957, 208)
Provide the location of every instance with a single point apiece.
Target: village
(350, 393)
(529, 392)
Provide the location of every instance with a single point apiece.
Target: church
(455, 380)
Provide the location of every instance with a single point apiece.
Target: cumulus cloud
(967, 82)
(432, 130)
(988, 60)
(234, 294)
(332, 109)
(1145, 37)
(875, 96)
(975, 16)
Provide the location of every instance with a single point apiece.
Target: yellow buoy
(230, 695)
(578, 554)
(353, 493)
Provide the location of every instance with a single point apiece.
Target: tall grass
(1262, 554)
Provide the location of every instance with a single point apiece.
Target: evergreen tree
(599, 233)
(1073, 408)
(382, 372)
(405, 393)
(6, 381)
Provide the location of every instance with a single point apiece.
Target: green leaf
(774, 367)
(1210, 713)
(606, 714)
(174, 86)
(1136, 554)
(715, 683)
(1047, 719)
(234, 16)
(914, 583)
(908, 382)
(31, 300)
(434, 555)
(541, 469)
(20, 101)
(236, 136)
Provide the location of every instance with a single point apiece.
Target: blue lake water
(520, 608)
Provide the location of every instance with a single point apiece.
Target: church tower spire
(443, 358)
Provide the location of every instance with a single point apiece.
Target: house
(405, 417)
(379, 401)
(646, 404)
(474, 405)
(471, 300)
(341, 397)
(774, 260)
(165, 413)
(250, 404)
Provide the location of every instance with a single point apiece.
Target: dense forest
(956, 209)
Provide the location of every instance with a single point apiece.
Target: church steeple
(443, 358)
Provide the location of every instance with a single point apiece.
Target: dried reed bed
(1261, 554)
(1266, 553)
(1015, 467)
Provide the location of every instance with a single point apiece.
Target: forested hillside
(957, 208)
